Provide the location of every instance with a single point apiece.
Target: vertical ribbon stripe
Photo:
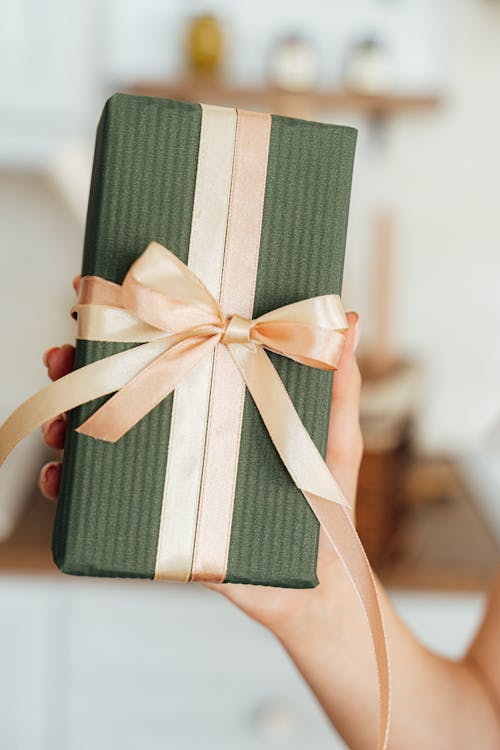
(191, 397)
(228, 389)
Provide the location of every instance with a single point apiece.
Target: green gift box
(178, 174)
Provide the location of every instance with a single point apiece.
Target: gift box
(257, 205)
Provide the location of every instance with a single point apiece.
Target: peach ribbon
(224, 423)
(192, 404)
(164, 307)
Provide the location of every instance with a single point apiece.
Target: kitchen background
(125, 665)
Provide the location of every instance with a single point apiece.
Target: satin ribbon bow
(165, 308)
(162, 300)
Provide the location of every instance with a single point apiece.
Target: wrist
(300, 623)
(319, 609)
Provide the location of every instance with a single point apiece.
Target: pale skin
(438, 703)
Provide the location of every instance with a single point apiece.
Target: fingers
(49, 479)
(54, 432)
(59, 360)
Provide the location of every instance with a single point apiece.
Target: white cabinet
(127, 665)
(124, 665)
(26, 652)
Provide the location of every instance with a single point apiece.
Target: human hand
(278, 609)
(286, 611)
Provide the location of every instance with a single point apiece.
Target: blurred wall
(436, 171)
(146, 37)
(439, 172)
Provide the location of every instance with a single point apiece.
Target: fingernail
(357, 334)
(44, 474)
(47, 354)
(47, 427)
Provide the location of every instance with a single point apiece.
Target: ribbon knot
(237, 331)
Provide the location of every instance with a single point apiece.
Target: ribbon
(176, 321)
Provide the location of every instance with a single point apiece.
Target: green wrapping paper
(143, 189)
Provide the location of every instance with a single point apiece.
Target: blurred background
(103, 664)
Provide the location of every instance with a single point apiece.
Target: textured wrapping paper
(113, 502)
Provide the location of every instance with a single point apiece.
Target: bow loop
(162, 291)
(310, 331)
(312, 346)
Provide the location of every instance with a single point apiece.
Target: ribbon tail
(151, 385)
(312, 476)
(300, 455)
(97, 379)
(339, 529)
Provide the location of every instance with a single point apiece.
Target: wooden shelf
(308, 104)
(27, 550)
(444, 541)
(442, 545)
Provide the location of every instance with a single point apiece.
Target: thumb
(345, 444)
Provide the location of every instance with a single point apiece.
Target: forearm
(437, 704)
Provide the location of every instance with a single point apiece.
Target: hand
(278, 609)
(288, 612)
